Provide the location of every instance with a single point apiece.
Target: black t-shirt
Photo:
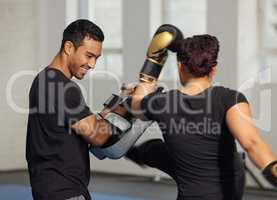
(58, 159)
(194, 128)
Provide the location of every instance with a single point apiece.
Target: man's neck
(59, 62)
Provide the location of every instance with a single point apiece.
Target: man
(60, 124)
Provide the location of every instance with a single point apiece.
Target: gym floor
(130, 186)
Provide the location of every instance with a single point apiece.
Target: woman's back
(199, 149)
(202, 149)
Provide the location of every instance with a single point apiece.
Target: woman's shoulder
(223, 89)
(229, 96)
(226, 90)
(164, 93)
(161, 97)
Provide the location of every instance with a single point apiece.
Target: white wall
(242, 62)
(254, 74)
(18, 53)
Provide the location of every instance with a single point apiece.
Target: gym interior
(31, 32)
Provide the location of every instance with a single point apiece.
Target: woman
(200, 123)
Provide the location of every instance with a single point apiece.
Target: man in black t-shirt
(60, 125)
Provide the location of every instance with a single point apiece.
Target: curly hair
(199, 54)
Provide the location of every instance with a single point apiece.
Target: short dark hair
(79, 29)
(199, 54)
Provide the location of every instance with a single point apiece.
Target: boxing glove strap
(113, 101)
(127, 105)
(150, 71)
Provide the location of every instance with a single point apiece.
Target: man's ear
(68, 48)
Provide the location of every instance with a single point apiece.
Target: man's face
(84, 58)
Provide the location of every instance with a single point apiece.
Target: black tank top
(194, 128)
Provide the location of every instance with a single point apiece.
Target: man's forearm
(95, 131)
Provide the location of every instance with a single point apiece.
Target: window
(190, 17)
(268, 41)
(268, 22)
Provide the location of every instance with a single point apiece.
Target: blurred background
(31, 32)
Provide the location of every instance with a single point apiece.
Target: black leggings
(154, 153)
